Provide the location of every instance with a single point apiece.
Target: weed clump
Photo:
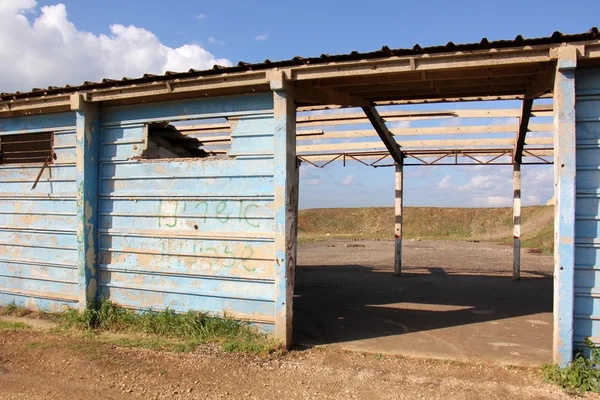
(188, 329)
(581, 375)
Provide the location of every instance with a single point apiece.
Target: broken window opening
(27, 148)
(165, 140)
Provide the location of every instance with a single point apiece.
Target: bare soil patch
(38, 365)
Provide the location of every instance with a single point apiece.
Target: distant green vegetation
(486, 224)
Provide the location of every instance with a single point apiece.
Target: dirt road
(35, 365)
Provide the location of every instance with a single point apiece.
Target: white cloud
(262, 37)
(214, 40)
(50, 50)
(398, 124)
(493, 201)
(446, 182)
(348, 180)
(200, 16)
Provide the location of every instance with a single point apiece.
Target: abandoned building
(181, 190)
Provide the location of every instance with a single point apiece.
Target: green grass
(581, 375)
(13, 309)
(167, 330)
(13, 325)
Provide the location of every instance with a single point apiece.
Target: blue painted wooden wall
(38, 242)
(587, 207)
(184, 234)
(194, 233)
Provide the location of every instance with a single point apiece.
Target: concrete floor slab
(455, 300)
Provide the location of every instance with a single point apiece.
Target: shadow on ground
(355, 303)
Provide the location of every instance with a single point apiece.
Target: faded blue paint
(37, 123)
(286, 205)
(178, 233)
(587, 209)
(194, 233)
(87, 155)
(564, 223)
(214, 107)
(38, 243)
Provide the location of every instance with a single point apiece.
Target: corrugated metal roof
(385, 51)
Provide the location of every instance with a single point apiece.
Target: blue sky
(253, 31)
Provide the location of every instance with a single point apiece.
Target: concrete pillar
(398, 222)
(286, 205)
(516, 221)
(87, 176)
(564, 208)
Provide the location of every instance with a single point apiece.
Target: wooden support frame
(384, 133)
(523, 127)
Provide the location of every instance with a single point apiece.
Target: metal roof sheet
(385, 51)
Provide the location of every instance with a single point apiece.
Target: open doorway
(456, 298)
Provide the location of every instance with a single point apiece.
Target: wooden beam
(416, 132)
(523, 127)
(384, 133)
(313, 95)
(414, 76)
(427, 144)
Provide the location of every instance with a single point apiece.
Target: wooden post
(516, 221)
(398, 212)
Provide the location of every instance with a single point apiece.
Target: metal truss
(440, 157)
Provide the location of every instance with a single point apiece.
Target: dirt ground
(37, 365)
(455, 300)
(447, 286)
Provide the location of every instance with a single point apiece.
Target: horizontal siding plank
(214, 107)
(233, 186)
(40, 272)
(32, 222)
(39, 206)
(37, 123)
(143, 299)
(34, 254)
(191, 167)
(165, 245)
(30, 173)
(193, 264)
(168, 210)
(190, 285)
(36, 301)
(51, 289)
(203, 223)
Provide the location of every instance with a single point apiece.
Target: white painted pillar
(398, 224)
(516, 221)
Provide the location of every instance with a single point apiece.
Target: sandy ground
(35, 365)
(446, 286)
